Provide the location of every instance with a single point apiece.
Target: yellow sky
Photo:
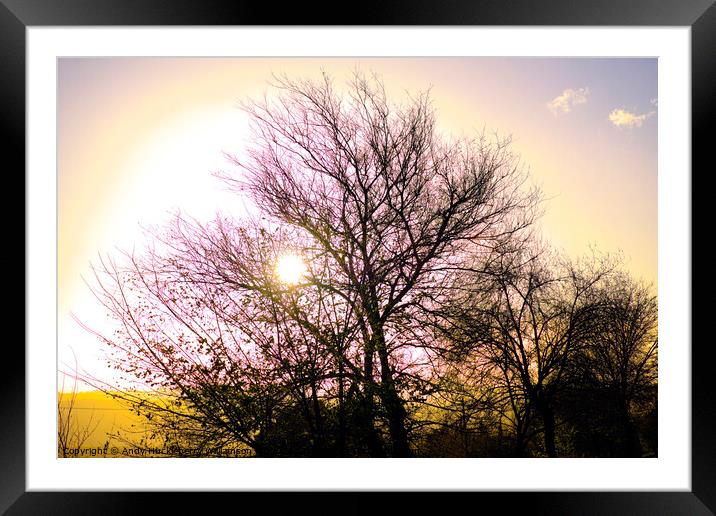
(139, 137)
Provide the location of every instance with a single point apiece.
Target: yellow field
(97, 416)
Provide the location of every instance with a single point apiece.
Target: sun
(290, 269)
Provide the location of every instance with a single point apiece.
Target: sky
(139, 138)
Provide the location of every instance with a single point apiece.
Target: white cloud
(567, 100)
(623, 118)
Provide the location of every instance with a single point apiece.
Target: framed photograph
(446, 251)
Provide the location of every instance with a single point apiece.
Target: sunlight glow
(290, 269)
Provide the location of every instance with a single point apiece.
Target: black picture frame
(700, 15)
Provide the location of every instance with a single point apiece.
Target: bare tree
(389, 204)
(385, 212)
(204, 321)
(529, 319)
(621, 359)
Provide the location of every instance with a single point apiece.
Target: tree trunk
(341, 409)
(319, 444)
(631, 447)
(548, 420)
(545, 411)
(396, 421)
(391, 400)
(368, 417)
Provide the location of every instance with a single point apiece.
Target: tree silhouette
(420, 318)
(526, 322)
(615, 380)
(390, 205)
